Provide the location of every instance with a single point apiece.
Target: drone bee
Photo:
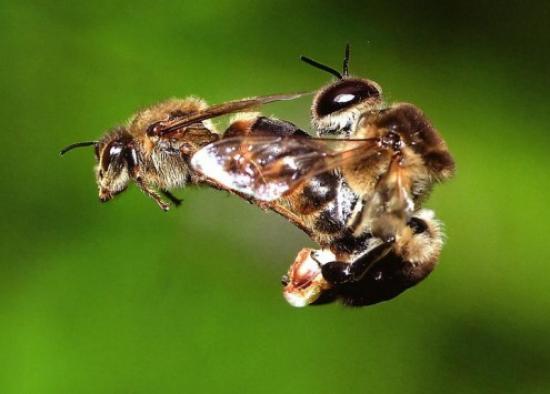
(360, 182)
(154, 148)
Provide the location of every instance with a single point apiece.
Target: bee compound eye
(418, 226)
(344, 94)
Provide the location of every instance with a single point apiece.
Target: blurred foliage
(122, 298)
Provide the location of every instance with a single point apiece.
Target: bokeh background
(122, 298)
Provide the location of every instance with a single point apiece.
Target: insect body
(357, 187)
(154, 148)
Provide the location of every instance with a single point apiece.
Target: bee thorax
(170, 170)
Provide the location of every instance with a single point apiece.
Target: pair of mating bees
(356, 188)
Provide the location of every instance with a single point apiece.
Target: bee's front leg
(152, 193)
(338, 272)
(137, 175)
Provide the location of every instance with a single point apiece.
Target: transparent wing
(390, 206)
(267, 167)
(219, 110)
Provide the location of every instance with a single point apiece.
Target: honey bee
(356, 187)
(154, 148)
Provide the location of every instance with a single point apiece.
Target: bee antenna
(320, 66)
(77, 145)
(345, 67)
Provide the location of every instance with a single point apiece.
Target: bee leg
(338, 272)
(176, 201)
(153, 194)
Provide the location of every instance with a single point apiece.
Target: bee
(357, 187)
(154, 148)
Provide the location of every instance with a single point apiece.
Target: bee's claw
(176, 201)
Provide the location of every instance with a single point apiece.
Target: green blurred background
(122, 298)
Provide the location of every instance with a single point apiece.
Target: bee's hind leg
(338, 272)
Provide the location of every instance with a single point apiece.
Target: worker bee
(356, 187)
(154, 148)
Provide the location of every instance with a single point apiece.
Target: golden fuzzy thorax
(166, 161)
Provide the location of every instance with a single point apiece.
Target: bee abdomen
(265, 125)
(261, 125)
(327, 223)
(348, 243)
(316, 193)
(388, 278)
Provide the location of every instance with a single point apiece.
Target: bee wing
(397, 186)
(390, 206)
(267, 167)
(223, 109)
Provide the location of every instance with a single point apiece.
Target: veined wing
(165, 127)
(267, 167)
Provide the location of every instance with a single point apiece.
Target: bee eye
(110, 154)
(344, 94)
(418, 226)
